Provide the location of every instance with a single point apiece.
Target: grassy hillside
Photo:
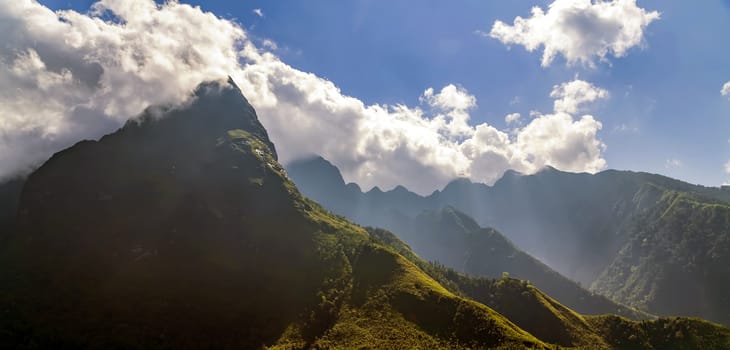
(644, 240)
(456, 240)
(680, 251)
(665, 333)
(534, 311)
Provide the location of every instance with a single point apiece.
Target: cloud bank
(579, 30)
(70, 76)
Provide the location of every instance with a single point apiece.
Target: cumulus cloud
(725, 89)
(580, 30)
(512, 118)
(571, 96)
(419, 148)
(455, 102)
(258, 12)
(69, 76)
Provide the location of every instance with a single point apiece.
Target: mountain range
(643, 240)
(181, 230)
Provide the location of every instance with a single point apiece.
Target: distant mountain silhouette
(587, 227)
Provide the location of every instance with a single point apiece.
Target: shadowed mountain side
(181, 230)
(9, 198)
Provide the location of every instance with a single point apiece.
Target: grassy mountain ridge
(590, 228)
(454, 239)
(546, 318)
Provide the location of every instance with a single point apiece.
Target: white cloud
(390, 145)
(68, 76)
(450, 98)
(672, 163)
(258, 12)
(269, 44)
(563, 142)
(512, 118)
(580, 30)
(455, 102)
(727, 167)
(726, 89)
(571, 96)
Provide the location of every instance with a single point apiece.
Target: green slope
(666, 333)
(456, 240)
(617, 232)
(677, 262)
(544, 317)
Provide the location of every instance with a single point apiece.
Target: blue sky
(665, 113)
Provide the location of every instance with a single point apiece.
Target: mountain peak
(548, 169)
(509, 176)
(400, 189)
(457, 183)
(214, 108)
(511, 173)
(375, 190)
(317, 168)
